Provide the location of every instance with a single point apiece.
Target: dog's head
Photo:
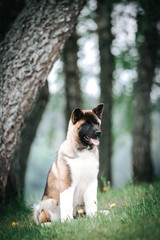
(86, 125)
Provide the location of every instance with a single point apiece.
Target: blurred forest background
(124, 45)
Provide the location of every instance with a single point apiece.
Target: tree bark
(141, 150)
(16, 177)
(106, 64)
(72, 79)
(28, 53)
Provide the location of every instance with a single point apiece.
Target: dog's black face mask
(89, 133)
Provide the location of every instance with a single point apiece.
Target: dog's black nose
(98, 133)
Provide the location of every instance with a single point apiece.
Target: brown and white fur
(72, 180)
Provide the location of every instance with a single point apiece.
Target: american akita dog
(72, 180)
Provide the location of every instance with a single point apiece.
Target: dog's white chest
(84, 168)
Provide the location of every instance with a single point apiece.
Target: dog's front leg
(66, 204)
(90, 199)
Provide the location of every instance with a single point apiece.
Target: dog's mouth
(94, 141)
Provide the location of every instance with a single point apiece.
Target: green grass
(136, 215)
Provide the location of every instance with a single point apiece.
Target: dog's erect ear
(76, 115)
(98, 110)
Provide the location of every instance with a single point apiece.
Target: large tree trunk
(16, 177)
(28, 53)
(142, 163)
(106, 64)
(72, 79)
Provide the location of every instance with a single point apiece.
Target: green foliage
(134, 214)
(127, 59)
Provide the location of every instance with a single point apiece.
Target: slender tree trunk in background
(71, 74)
(16, 177)
(28, 53)
(142, 162)
(106, 64)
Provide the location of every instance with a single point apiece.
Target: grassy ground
(134, 214)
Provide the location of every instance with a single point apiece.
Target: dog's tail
(46, 211)
(36, 213)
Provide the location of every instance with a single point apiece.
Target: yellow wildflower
(104, 189)
(112, 205)
(138, 203)
(14, 224)
(80, 211)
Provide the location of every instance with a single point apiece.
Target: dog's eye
(96, 123)
(85, 124)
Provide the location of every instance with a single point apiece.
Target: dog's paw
(47, 224)
(105, 212)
